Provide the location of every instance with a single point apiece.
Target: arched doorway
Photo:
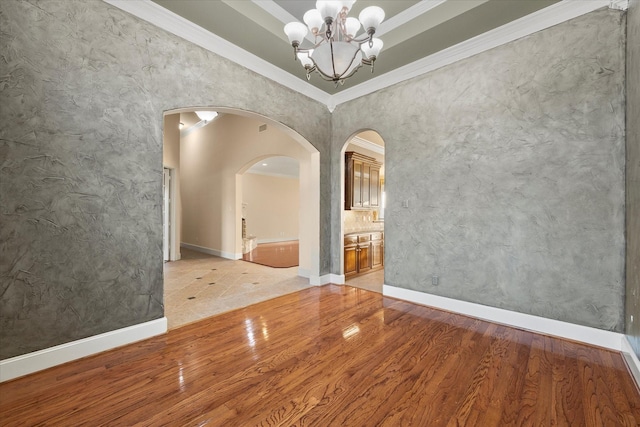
(363, 198)
(208, 160)
(271, 214)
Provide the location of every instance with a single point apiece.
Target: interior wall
(633, 176)
(511, 163)
(81, 149)
(272, 207)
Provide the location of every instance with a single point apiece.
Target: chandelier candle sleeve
(338, 51)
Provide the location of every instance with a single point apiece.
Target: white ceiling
(277, 166)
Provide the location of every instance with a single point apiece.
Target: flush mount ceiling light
(338, 51)
(207, 116)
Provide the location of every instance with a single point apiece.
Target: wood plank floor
(277, 255)
(333, 356)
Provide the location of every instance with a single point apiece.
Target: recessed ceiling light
(264, 164)
(207, 116)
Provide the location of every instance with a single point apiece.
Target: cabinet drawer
(376, 236)
(364, 238)
(350, 240)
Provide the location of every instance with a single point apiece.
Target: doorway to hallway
(275, 255)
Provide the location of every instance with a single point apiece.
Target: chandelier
(338, 51)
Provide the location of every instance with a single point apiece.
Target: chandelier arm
(333, 62)
(365, 38)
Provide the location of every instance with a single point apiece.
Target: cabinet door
(374, 192)
(364, 257)
(350, 260)
(366, 185)
(356, 200)
(377, 254)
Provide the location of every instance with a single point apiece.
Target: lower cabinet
(350, 260)
(377, 251)
(363, 252)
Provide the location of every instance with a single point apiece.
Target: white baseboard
(321, 280)
(303, 272)
(214, 252)
(42, 359)
(314, 280)
(282, 239)
(631, 359)
(585, 334)
(337, 279)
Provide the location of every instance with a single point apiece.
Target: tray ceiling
(412, 29)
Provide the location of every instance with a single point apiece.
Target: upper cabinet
(362, 181)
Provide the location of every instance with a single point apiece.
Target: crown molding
(537, 21)
(619, 4)
(367, 145)
(169, 21)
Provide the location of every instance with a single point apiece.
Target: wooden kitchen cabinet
(362, 181)
(363, 252)
(350, 255)
(377, 250)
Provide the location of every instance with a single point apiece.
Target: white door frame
(169, 215)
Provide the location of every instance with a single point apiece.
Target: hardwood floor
(278, 255)
(333, 356)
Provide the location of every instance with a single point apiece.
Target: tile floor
(371, 281)
(201, 285)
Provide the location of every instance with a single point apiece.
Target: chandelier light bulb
(348, 4)
(305, 59)
(314, 20)
(296, 32)
(352, 26)
(371, 17)
(329, 9)
(372, 51)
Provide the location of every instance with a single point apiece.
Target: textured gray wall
(83, 87)
(512, 162)
(633, 175)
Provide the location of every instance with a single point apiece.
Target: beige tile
(218, 285)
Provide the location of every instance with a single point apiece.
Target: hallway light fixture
(207, 116)
(338, 51)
